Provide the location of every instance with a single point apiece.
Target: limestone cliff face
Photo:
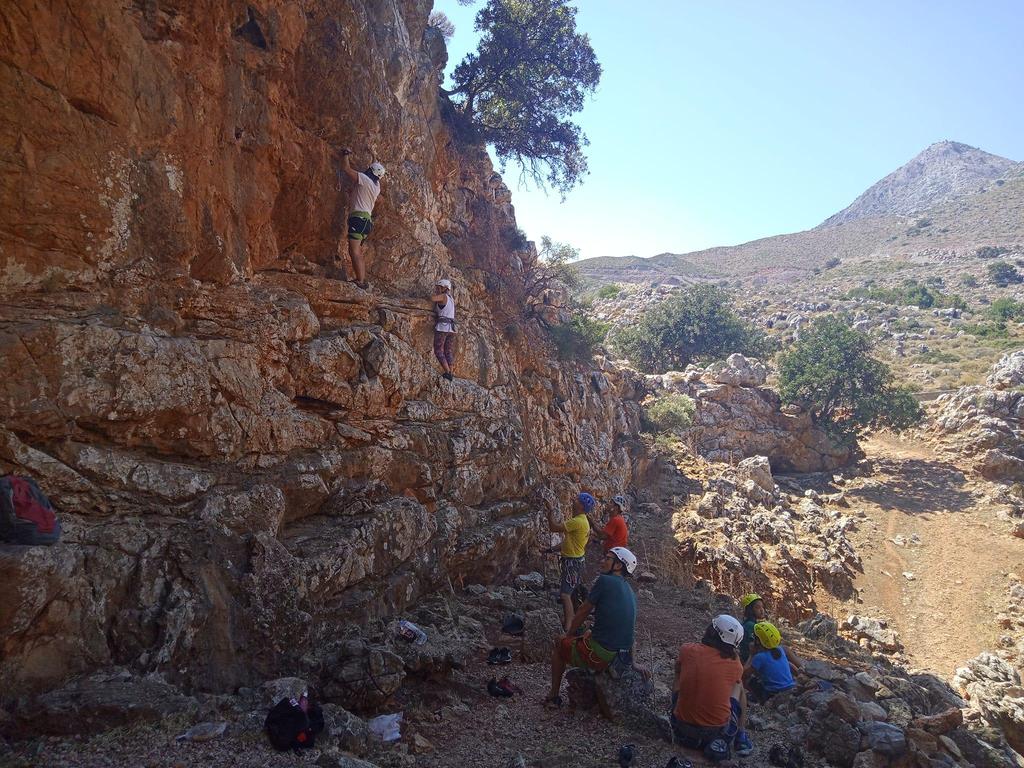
(246, 454)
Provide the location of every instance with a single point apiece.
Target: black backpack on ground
(289, 726)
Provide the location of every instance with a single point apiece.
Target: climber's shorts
(571, 573)
(699, 736)
(359, 225)
(584, 652)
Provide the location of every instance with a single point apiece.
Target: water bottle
(407, 628)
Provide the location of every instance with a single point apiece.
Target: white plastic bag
(203, 732)
(386, 727)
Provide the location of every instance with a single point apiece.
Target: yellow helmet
(748, 599)
(767, 635)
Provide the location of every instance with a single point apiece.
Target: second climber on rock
(444, 326)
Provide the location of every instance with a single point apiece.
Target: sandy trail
(944, 611)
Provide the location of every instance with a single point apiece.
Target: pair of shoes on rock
(678, 762)
(500, 656)
(503, 688)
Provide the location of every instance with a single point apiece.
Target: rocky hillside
(246, 454)
(944, 172)
(948, 228)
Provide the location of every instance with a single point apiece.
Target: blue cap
(588, 502)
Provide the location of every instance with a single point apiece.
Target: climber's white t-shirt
(365, 194)
(448, 310)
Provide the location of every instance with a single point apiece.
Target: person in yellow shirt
(576, 533)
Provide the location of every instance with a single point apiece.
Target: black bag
(294, 724)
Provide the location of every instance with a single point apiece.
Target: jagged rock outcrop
(737, 417)
(781, 545)
(245, 453)
(983, 422)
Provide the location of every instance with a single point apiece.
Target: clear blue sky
(721, 122)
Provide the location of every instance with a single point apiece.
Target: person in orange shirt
(615, 533)
(709, 705)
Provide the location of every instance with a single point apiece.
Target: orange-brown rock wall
(246, 453)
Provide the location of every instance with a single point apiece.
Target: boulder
(628, 698)
(101, 702)
(362, 677)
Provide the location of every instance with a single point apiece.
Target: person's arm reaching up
(346, 165)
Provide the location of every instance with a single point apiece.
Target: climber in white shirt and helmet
(360, 221)
(444, 325)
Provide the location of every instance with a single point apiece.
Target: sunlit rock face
(245, 453)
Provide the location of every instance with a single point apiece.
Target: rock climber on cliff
(571, 561)
(613, 603)
(444, 327)
(360, 221)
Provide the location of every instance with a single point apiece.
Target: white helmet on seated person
(444, 282)
(624, 556)
(729, 629)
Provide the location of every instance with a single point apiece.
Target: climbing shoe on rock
(447, 375)
(678, 762)
(499, 656)
(496, 690)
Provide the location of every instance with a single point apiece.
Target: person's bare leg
(355, 252)
(557, 670)
(740, 694)
(567, 611)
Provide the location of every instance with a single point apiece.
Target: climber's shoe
(509, 686)
(743, 745)
(448, 375)
(499, 656)
(496, 690)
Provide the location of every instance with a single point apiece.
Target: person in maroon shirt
(614, 533)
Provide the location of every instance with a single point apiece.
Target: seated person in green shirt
(614, 606)
(571, 561)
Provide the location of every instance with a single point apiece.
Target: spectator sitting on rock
(614, 533)
(360, 221)
(709, 704)
(754, 611)
(571, 561)
(444, 328)
(614, 605)
(769, 670)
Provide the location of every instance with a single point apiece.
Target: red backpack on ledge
(26, 515)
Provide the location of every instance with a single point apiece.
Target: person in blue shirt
(769, 670)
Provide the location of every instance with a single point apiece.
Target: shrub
(834, 262)
(969, 281)
(990, 251)
(670, 412)
(696, 324)
(830, 373)
(987, 330)
(937, 356)
(1002, 273)
(609, 291)
(579, 338)
(1005, 309)
(909, 292)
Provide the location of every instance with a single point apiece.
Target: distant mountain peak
(945, 171)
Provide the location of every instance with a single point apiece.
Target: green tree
(830, 373)
(696, 324)
(1003, 273)
(529, 75)
(1005, 309)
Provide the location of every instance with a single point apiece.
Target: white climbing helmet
(444, 282)
(728, 629)
(377, 169)
(620, 501)
(628, 560)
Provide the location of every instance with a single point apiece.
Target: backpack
(294, 724)
(26, 515)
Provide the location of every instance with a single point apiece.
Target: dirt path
(935, 554)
